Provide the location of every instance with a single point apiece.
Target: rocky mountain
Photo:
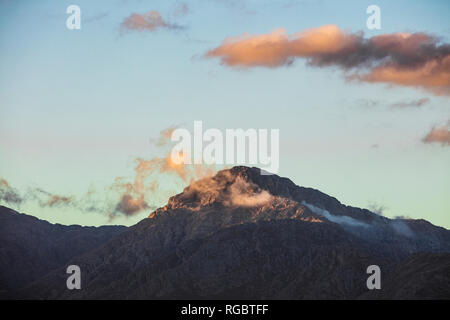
(30, 248)
(244, 235)
(420, 276)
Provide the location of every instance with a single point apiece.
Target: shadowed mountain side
(246, 261)
(242, 235)
(287, 200)
(30, 248)
(421, 276)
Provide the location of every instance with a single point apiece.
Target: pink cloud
(405, 59)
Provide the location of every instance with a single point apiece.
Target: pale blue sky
(77, 107)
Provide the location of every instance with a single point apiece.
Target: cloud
(346, 220)
(401, 227)
(397, 225)
(154, 180)
(43, 198)
(223, 188)
(164, 136)
(180, 10)
(433, 76)
(56, 200)
(439, 135)
(403, 217)
(405, 59)
(371, 103)
(242, 194)
(411, 104)
(377, 208)
(8, 194)
(137, 194)
(368, 103)
(129, 205)
(277, 48)
(149, 21)
(96, 17)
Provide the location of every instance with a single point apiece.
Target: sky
(79, 107)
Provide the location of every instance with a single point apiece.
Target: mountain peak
(243, 186)
(237, 186)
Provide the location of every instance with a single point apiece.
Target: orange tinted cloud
(439, 135)
(164, 137)
(407, 59)
(56, 200)
(277, 48)
(434, 75)
(149, 21)
(137, 194)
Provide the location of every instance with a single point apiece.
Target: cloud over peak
(406, 59)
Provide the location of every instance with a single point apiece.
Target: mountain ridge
(242, 235)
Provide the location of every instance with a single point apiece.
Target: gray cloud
(96, 17)
(411, 104)
(8, 194)
(377, 208)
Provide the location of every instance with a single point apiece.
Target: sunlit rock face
(243, 235)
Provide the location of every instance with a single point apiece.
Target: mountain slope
(242, 235)
(420, 276)
(30, 248)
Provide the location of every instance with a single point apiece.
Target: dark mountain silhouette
(243, 235)
(30, 248)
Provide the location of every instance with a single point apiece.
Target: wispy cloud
(180, 10)
(346, 220)
(439, 134)
(410, 104)
(96, 17)
(125, 196)
(8, 194)
(407, 104)
(405, 59)
(377, 208)
(150, 21)
(130, 206)
(368, 103)
(11, 196)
